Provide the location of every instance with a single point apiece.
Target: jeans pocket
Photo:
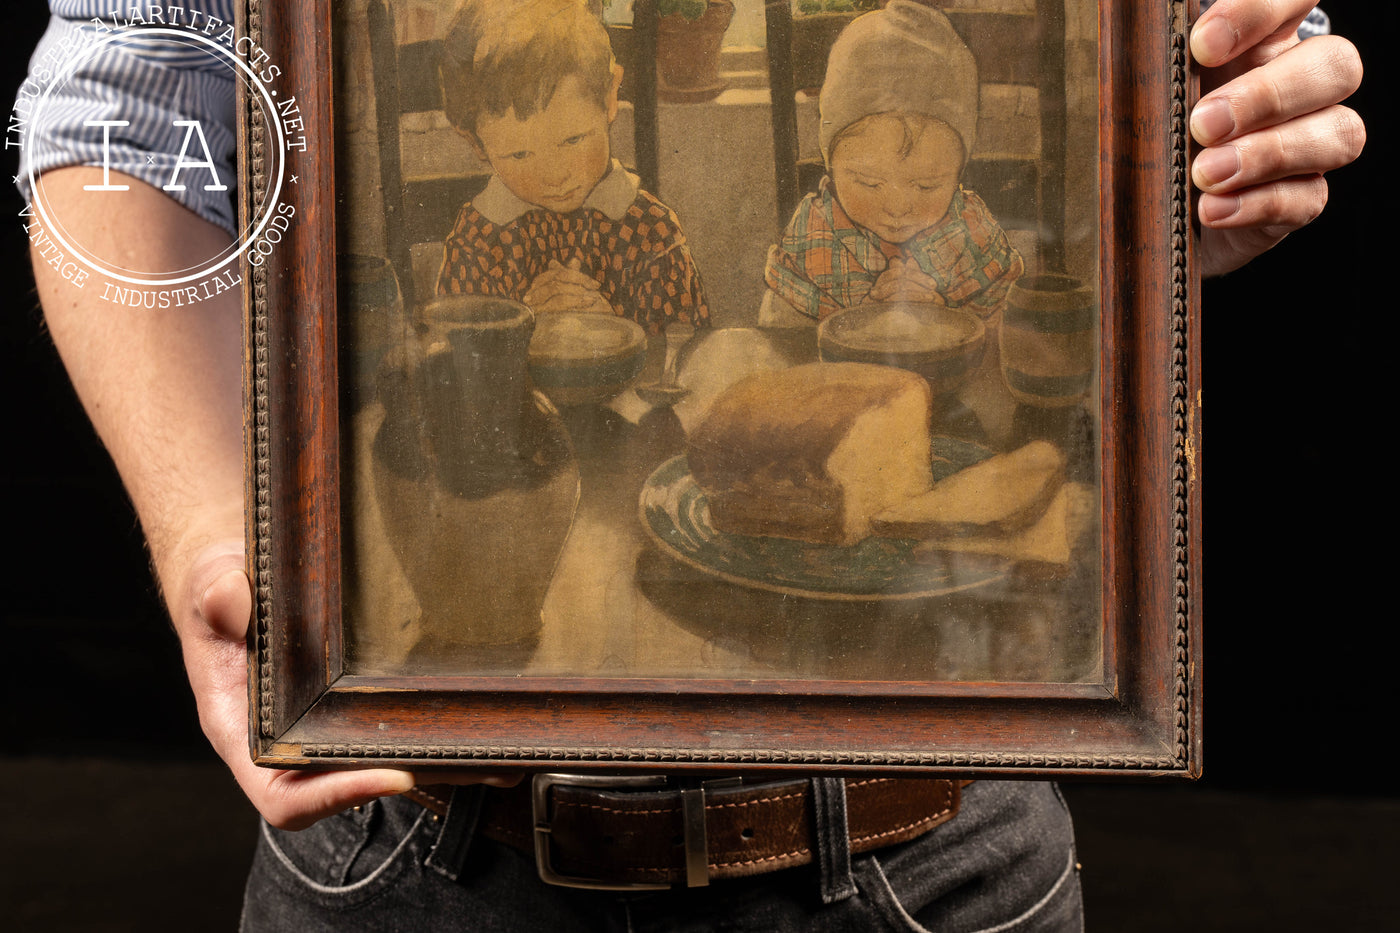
(343, 860)
(877, 891)
(1056, 911)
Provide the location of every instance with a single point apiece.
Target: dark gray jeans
(1005, 863)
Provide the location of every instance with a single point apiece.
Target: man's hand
(905, 281)
(163, 388)
(566, 288)
(1271, 123)
(215, 607)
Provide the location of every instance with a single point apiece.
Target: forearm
(162, 386)
(164, 390)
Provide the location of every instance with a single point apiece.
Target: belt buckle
(693, 824)
(539, 798)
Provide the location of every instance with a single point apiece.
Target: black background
(1297, 465)
(95, 668)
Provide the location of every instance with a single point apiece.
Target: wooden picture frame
(1125, 700)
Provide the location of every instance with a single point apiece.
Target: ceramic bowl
(944, 345)
(578, 358)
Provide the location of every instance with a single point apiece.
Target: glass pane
(826, 416)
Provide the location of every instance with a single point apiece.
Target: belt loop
(449, 853)
(833, 839)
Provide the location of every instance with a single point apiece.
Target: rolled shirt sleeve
(147, 81)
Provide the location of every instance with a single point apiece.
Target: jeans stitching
(1073, 843)
(893, 900)
(889, 898)
(340, 865)
(364, 882)
(1040, 904)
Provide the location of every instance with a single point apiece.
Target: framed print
(726, 386)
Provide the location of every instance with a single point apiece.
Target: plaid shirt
(826, 263)
(640, 261)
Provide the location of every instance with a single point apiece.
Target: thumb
(227, 604)
(296, 799)
(220, 590)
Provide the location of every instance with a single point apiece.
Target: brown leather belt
(630, 832)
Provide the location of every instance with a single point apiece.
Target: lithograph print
(720, 341)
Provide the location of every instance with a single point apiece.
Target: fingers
(1271, 134)
(562, 288)
(569, 275)
(565, 288)
(904, 280)
(286, 799)
(1309, 145)
(211, 609)
(1231, 28)
(1289, 203)
(1242, 225)
(884, 289)
(297, 799)
(561, 296)
(1308, 77)
(581, 300)
(1271, 126)
(219, 609)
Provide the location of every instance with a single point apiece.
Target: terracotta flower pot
(687, 54)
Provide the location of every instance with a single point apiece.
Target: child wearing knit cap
(891, 221)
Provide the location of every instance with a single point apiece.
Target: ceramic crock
(475, 475)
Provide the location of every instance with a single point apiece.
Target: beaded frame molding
(1178, 757)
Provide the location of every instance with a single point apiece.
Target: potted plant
(814, 29)
(809, 7)
(688, 38)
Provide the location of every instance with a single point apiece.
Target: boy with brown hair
(560, 226)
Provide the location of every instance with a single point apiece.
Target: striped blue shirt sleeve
(149, 81)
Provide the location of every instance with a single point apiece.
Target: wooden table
(620, 608)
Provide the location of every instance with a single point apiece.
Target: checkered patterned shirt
(640, 261)
(826, 263)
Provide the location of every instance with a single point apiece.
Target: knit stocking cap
(906, 57)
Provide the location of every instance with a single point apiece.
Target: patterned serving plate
(676, 515)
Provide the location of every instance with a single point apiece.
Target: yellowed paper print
(720, 340)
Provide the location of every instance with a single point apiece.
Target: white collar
(612, 196)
